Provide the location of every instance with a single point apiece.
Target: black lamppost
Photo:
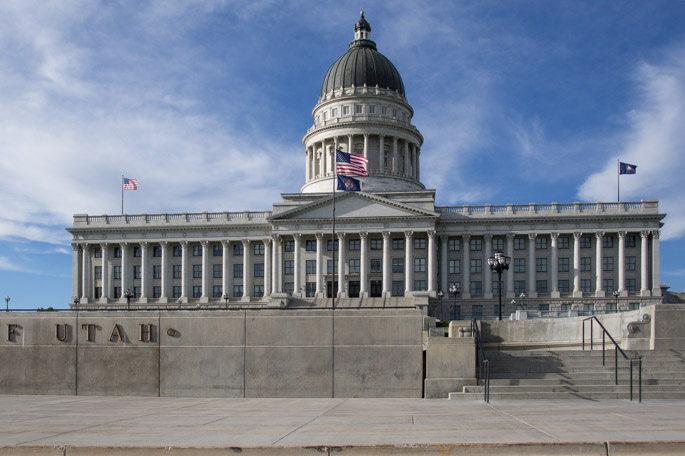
(440, 295)
(616, 294)
(523, 301)
(7, 301)
(128, 295)
(454, 291)
(226, 299)
(76, 303)
(499, 263)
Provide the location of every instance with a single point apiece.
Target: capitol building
(393, 246)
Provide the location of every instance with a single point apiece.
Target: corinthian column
(656, 265)
(341, 265)
(408, 263)
(576, 265)
(363, 266)
(644, 264)
(599, 289)
(431, 262)
(555, 266)
(386, 264)
(621, 263)
(532, 290)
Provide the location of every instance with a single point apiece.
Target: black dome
(362, 64)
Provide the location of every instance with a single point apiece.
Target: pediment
(354, 206)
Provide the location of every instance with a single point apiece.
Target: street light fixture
(7, 301)
(226, 299)
(440, 295)
(499, 263)
(454, 291)
(616, 295)
(523, 301)
(76, 303)
(128, 295)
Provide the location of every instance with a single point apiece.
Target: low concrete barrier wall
(280, 353)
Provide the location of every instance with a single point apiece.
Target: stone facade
(395, 247)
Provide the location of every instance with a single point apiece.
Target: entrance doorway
(331, 288)
(354, 288)
(376, 289)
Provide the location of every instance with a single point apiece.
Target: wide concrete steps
(577, 374)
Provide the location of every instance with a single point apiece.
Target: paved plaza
(66, 425)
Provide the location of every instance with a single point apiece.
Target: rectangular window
(156, 271)
(310, 245)
(453, 245)
(541, 265)
(197, 250)
(259, 269)
(398, 287)
(358, 109)
(630, 241)
(311, 289)
(329, 245)
(372, 109)
(136, 272)
(116, 272)
(218, 250)
(177, 271)
(630, 285)
(566, 307)
(197, 271)
(477, 311)
(498, 244)
(117, 252)
(217, 291)
(476, 266)
(589, 308)
(376, 244)
(98, 272)
(611, 307)
(289, 288)
(218, 271)
(376, 265)
(585, 242)
(453, 266)
(156, 251)
(334, 112)
(354, 266)
(563, 286)
(398, 265)
(156, 292)
(540, 243)
(289, 246)
(563, 264)
(258, 291)
(238, 271)
(519, 286)
(419, 285)
(346, 110)
(311, 266)
(519, 265)
(289, 267)
(258, 248)
(176, 251)
(398, 243)
(586, 264)
(607, 242)
(608, 285)
(476, 244)
(455, 312)
(420, 243)
(238, 250)
(563, 242)
(630, 263)
(237, 291)
(476, 288)
(419, 265)
(325, 116)
(330, 268)
(384, 111)
(355, 244)
(541, 286)
(98, 292)
(176, 292)
(97, 252)
(586, 285)
(519, 243)
(608, 264)
(495, 287)
(634, 306)
(137, 252)
(544, 307)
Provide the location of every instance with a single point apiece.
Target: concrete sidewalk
(71, 425)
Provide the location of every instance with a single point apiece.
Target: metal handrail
(483, 364)
(617, 349)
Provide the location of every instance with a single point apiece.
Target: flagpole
(122, 194)
(618, 181)
(335, 181)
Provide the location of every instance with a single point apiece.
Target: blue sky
(206, 102)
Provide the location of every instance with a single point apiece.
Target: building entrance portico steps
(577, 374)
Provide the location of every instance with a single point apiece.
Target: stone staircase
(577, 374)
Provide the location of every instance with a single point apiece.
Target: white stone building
(394, 246)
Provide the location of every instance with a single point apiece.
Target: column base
(104, 300)
(623, 293)
(532, 294)
(245, 299)
(342, 295)
(645, 293)
(656, 291)
(466, 295)
(204, 299)
(83, 300)
(363, 294)
(488, 295)
(577, 294)
(143, 300)
(320, 295)
(555, 294)
(163, 300)
(600, 294)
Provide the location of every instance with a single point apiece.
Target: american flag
(351, 164)
(130, 184)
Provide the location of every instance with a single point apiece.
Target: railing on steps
(617, 349)
(483, 364)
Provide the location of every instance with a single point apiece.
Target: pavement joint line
(624, 416)
(305, 424)
(524, 422)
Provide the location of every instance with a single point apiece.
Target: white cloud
(655, 142)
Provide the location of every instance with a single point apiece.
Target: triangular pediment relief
(353, 206)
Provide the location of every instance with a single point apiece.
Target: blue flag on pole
(348, 184)
(626, 168)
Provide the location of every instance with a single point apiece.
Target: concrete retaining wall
(280, 353)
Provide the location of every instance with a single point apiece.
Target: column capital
(622, 234)
(204, 243)
(386, 235)
(341, 236)
(644, 234)
(409, 234)
(444, 237)
(297, 236)
(246, 242)
(577, 235)
(225, 243)
(599, 234)
(487, 237)
(319, 236)
(655, 234)
(509, 236)
(431, 234)
(554, 236)
(85, 246)
(103, 245)
(75, 246)
(267, 242)
(276, 238)
(123, 244)
(183, 243)
(363, 234)
(163, 243)
(466, 237)
(532, 236)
